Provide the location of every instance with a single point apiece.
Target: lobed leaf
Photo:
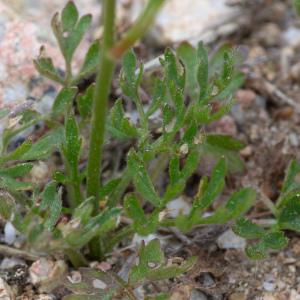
(141, 179)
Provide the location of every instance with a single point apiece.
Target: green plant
(286, 213)
(190, 92)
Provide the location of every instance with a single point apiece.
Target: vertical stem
(103, 83)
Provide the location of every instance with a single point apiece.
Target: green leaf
(44, 146)
(272, 240)
(109, 188)
(289, 216)
(232, 87)
(174, 72)
(142, 225)
(151, 265)
(18, 153)
(123, 128)
(188, 55)
(44, 65)
(224, 141)
(246, 229)
(297, 6)
(141, 179)
(158, 98)
(69, 17)
(17, 171)
(292, 171)
(257, 251)
(72, 144)
(84, 211)
(275, 240)
(214, 187)
(63, 101)
(202, 72)
(51, 200)
(237, 205)
(91, 60)
(7, 203)
(129, 81)
(69, 30)
(48, 195)
(85, 102)
(13, 185)
(98, 225)
(174, 169)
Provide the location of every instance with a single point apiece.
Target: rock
(178, 206)
(40, 173)
(47, 274)
(6, 292)
(197, 295)
(247, 151)
(9, 263)
(191, 20)
(291, 37)
(10, 233)
(269, 286)
(229, 240)
(245, 98)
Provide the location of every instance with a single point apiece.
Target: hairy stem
(138, 30)
(102, 88)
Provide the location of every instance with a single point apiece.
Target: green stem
(120, 189)
(76, 258)
(138, 30)
(102, 88)
(100, 103)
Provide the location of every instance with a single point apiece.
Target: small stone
(184, 149)
(47, 274)
(10, 233)
(245, 98)
(291, 37)
(197, 295)
(177, 207)
(9, 263)
(269, 286)
(40, 172)
(99, 284)
(75, 277)
(229, 240)
(247, 151)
